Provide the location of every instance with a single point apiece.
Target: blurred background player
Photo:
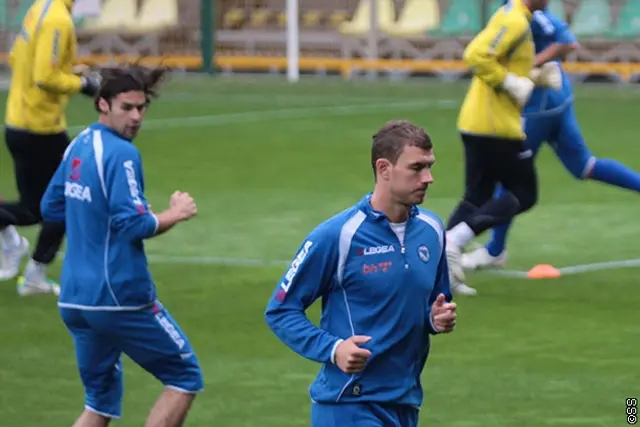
(489, 123)
(98, 190)
(550, 116)
(384, 258)
(41, 61)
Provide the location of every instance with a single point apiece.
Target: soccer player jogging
(108, 299)
(550, 116)
(501, 58)
(381, 271)
(41, 61)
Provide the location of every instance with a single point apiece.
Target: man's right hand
(351, 358)
(520, 88)
(183, 205)
(548, 75)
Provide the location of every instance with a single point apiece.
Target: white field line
(311, 99)
(252, 262)
(289, 113)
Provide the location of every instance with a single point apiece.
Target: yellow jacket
(504, 46)
(41, 60)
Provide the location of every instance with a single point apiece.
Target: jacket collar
(103, 127)
(365, 206)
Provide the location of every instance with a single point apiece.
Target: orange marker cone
(544, 271)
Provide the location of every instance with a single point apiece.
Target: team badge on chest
(423, 253)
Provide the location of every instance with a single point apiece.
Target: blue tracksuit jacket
(547, 30)
(370, 284)
(98, 191)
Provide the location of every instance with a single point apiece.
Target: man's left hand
(548, 75)
(443, 314)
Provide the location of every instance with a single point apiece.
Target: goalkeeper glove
(91, 84)
(548, 75)
(520, 88)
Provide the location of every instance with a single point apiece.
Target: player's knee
(527, 200)
(103, 390)
(527, 196)
(473, 199)
(103, 403)
(32, 207)
(584, 169)
(179, 372)
(189, 380)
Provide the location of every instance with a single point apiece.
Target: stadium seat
(259, 17)
(592, 19)
(311, 19)
(416, 18)
(462, 18)
(233, 18)
(337, 17)
(4, 14)
(281, 18)
(628, 25)
(116, 15)
(157, 15)
(361, 20)
(556, 7)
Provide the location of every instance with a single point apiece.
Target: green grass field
(266, 162)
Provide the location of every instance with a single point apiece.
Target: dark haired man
(380, 268)
(108, 298)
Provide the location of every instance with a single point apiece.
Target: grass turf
(266, 162)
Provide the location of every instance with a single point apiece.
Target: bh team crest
(423, 253)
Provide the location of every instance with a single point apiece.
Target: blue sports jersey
(370, 283)
(98, 191)
(546, 30)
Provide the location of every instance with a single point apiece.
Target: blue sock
(498, 241)
(615, 173)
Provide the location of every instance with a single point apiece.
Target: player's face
(127, 112)
(411, 175)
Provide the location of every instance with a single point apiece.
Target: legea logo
(376, 250)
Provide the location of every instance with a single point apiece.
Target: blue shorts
(150, 337)
(563, 134)
(367, 414)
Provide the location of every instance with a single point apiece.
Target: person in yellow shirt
(41, 60)
(501, 59)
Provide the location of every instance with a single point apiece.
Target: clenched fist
(443, 314)
(351, 358)
(183, 205)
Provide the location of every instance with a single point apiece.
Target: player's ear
(383, 167)
(103, 105)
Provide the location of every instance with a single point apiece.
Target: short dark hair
(129, 77)
(390, 140)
